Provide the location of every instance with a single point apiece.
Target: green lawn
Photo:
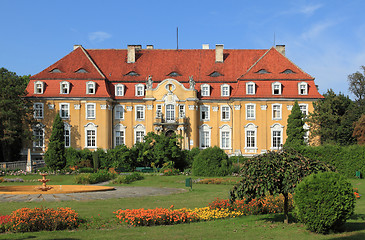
(104, 225)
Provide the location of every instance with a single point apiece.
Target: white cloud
(310, 9)
(99, 36)
(316, 30)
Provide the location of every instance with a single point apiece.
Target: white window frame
(205, 136)
(248, 110)
(274, 109)
(305, 88)
(91, 127)
(66, 110)
(251, 128)
(181, 111)
(225, 90)
(207, 115)
(38, 87)
(67, 129)
(119, 128)
(304, 105)
(140, 112)
(248, 85)
(119, 90)
(38, 138)
(119, 111)
(306, 128)
(276, 86)
(158, 110)
(93, 109)
(138, 130)
(226, 130)
(139, 90)
(38, 112)
(276, 128)
(225, 115)
(64, 87)
(90, 87)
(168, 116)
(205, 90)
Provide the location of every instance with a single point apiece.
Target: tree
(274, 173)
(295, 130)
(359, 130)
(332, 119)
(357, 84)
(55, 155)
(16, 114)
(212, 162)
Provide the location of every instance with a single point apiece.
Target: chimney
(219, 53)
(149, 47)
(205, 46)
(77, 46)
(131, 54)
(281, 49)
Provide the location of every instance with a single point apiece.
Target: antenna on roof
(274, 39)
(177, 38)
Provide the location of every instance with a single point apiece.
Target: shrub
(324, 201)
(91, 178)
(212, 162)
(86, 170)
(126, 179)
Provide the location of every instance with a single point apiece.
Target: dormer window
(174, 74)
(55, 70)
(262, 71)
(90, 88)
(81, 70)
(250, 88)
(139, 90)
(276, 88)
(225, 90)
(205, 90)
(64, 87)
(302, 88)
(38, 87)
(132, 73)
(288, 71)
(119, 90)
(215, 74)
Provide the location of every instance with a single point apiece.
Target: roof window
(215, 74)
(55, 70)
(132, 73)
(81, 70)
(262, 71)
(288, 71)
(174, 74)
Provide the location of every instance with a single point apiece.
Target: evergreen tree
(55, 154)
(295, 130)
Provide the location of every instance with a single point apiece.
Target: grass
(104, 224)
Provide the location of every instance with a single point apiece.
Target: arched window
(205, 90)
(170, 112)
(91, 135)
(64, 87)
(225, 136)
(119, 90)
(119, 135)
(139, 133)
(225, 90)
(276, 136)
(205, 134)
(67, 135)
(38, 87)
(251, 138)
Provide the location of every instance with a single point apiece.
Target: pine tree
(55, 155)
(295, 130)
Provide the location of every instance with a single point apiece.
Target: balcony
(168, 123)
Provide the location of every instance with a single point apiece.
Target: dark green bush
(126, 179)
(212, 162)
(86, 170)
(92, 178)
(324, 201)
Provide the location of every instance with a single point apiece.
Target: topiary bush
(212, 162)
(324, 201)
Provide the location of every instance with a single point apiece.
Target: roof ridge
(92, 62)
(256, 62)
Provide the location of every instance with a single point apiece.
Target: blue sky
(324, 38)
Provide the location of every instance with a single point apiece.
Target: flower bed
(216, 181)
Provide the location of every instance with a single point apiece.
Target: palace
(237, 99)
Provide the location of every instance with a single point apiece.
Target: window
(139, 90)
(55, 70)
(158, 111)
(132, 73)
(64, 87)
(64, 110)
(204, 113)
(250, 88)
(139, 112)
(306, 134)
(38, 136)
(67, 135)
(225, 112)
(262, 71)
(304, 109)
(38, 110)
(225, 90)
(38, 87)
(276, 88)
(170, 112)
(303, 88)
(225, 134)
(276, 136)
(90, 110)
(215, 74)
(181, 111)
(250, 111)
(174, 74)
(139, 133)
(90, 88)
(91, 135)
(204, 133)
(288, 71)
(119, 112)
(81, 70)
(119, 135)
(119, 90)
(276, 111)
(205, 90)
(250, 138)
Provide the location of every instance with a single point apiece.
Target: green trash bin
(358, 174)
(189, 182)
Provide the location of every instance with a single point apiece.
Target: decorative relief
(237, 107)
(129, 108)
(290, 107)
(263, 107)
(103, 106)
(149, 107)
(50, 106)
(192, 107)
(77, 106)
(215, 109)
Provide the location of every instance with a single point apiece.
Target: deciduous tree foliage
(357, 84)
(16, 115)
(55, 155)
(274, 173)
(359, 130)
(295, 130)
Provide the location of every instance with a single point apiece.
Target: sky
(325, 38)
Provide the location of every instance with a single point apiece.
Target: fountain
(44, 180)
